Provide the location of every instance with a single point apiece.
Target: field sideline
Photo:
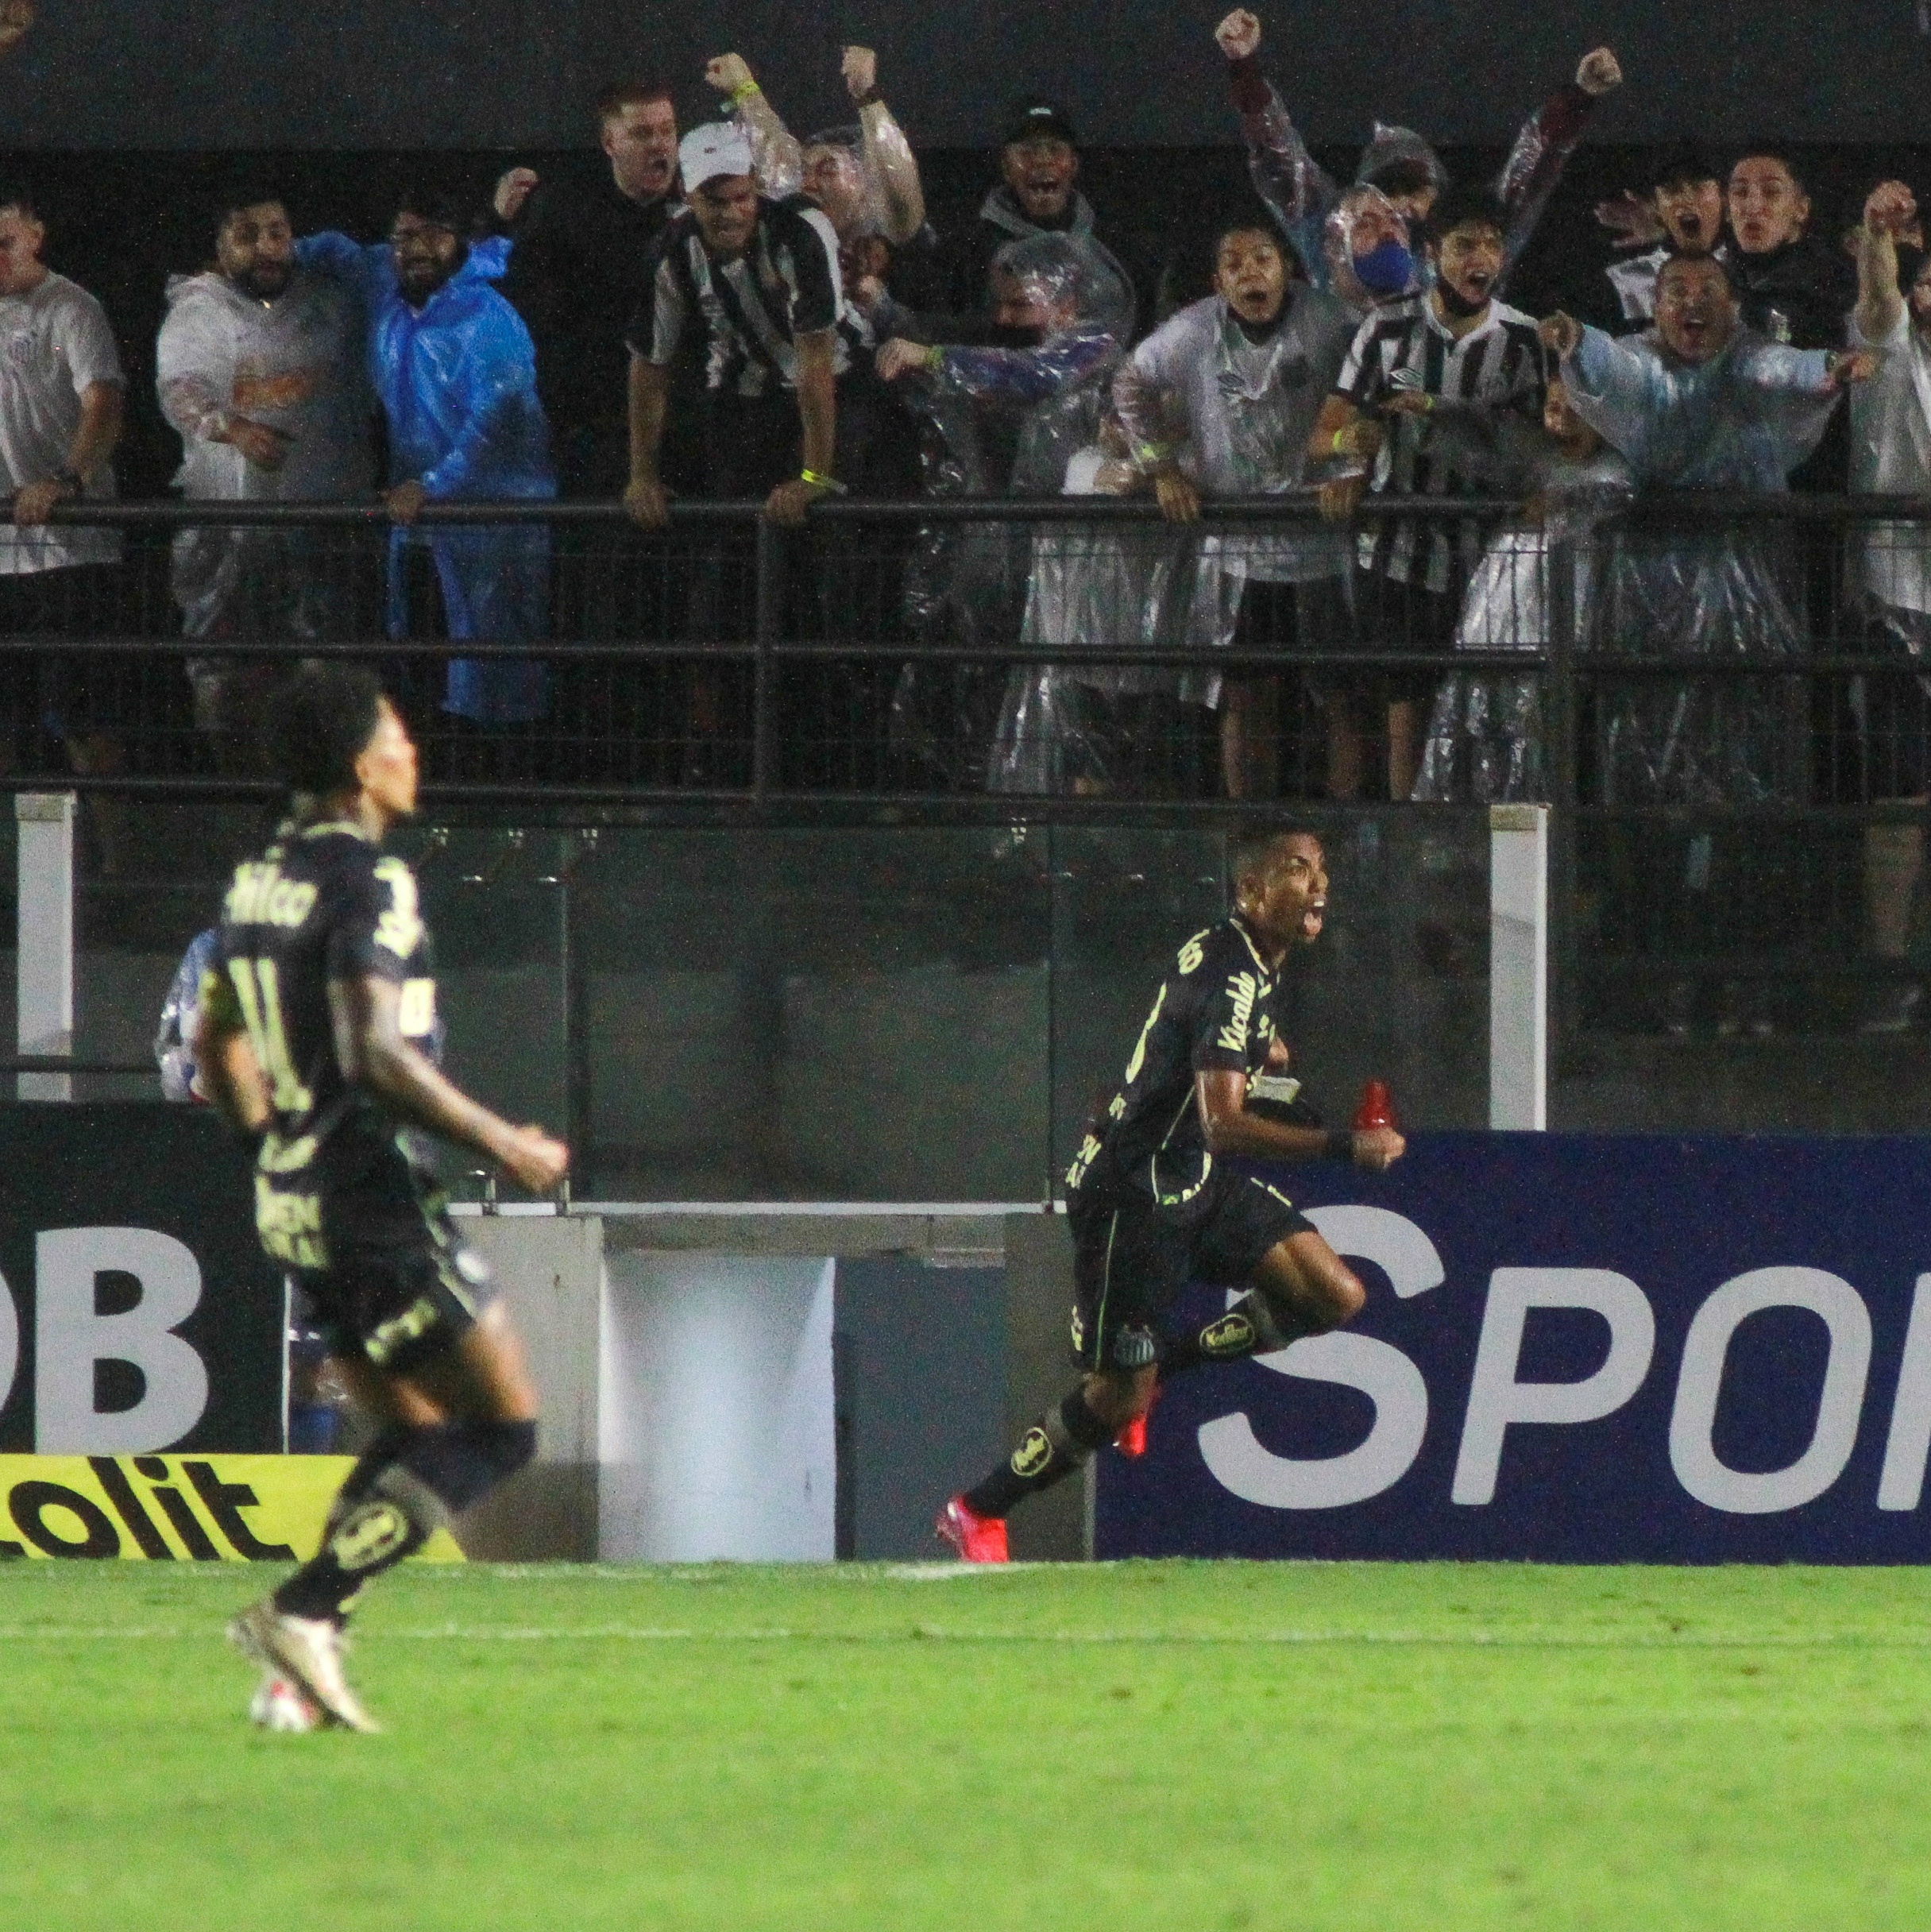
(1156, 1747)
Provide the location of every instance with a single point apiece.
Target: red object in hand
(1377, 1106)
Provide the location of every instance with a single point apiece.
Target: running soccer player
(1157, 1199)
(319, 1015)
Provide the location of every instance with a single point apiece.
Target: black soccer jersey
(1215, 1009)
(322, 903)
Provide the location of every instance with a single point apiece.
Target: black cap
(1684, 161)
(1029, 119)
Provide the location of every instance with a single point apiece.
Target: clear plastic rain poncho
(1485, 743)
(1000, 421)
(1304, 198)
(1741, 421)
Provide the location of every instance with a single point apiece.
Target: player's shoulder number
(399, 928)
(1193, 952)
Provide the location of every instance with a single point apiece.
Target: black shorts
(1133, 1259)
(378, 1268)
(1392, 616)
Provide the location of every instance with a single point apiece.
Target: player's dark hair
(1720, 263)
(436, 206)
(1684, 164)
(1777, 151)
(1252, 848)
(1404, 176)
(317, 723)
(612, 101)
(1463, 205)
(258, 192)
(1247, 215)
(18, 196)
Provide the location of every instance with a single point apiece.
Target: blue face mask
(1386, 269)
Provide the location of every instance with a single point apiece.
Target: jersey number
(258, 986)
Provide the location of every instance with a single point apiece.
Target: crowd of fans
(732, 312)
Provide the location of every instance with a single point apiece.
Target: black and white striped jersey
(786, 284)
(1499, 366)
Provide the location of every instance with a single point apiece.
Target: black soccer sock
(405, 1487)
(1256, 1325)
(1056, 1445)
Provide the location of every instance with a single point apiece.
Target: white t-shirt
(55, 343)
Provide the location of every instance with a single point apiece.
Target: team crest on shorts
(1034, 1452)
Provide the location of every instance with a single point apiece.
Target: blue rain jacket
(458, 380)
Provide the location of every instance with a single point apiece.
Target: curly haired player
(317, 1041)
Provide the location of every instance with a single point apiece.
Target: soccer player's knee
(461, 1463)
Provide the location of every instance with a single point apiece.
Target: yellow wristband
(1341, 437)
(740, 94)
(821, 482)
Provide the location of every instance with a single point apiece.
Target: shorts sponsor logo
(414, 1323)
(168, 1509)
(1232, 1334)
(1135, 1348)
(1034, 1452)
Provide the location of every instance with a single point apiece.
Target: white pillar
(1519, 966)
(43, 999)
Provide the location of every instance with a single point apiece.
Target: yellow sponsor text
(174, 1508)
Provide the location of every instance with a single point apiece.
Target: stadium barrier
(1575, 1349)
(1599, 1349)
(1708, 691)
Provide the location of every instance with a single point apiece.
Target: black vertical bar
(844, 1442)
(572, 971)
(1563, 556)
(769, 563)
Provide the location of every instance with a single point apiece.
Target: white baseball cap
(717, 148)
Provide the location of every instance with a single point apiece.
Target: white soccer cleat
(307, 1650)
(279, 1704)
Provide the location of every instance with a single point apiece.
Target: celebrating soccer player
(1157, 1198)
(317, 1041)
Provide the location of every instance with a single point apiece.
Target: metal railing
(726, 670)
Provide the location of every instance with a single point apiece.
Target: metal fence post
(44, 975)
(769, 565)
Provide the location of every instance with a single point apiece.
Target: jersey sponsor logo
(1192, 953)
(1088, 1153)
(290, 1225)
(170, 1508)
(260, 896)
(1034, 1452)
(1243, 989)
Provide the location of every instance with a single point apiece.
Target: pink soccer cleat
(978, 1539)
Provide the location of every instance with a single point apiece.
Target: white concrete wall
(716, 1408)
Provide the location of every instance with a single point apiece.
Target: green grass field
(1148, 1746)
